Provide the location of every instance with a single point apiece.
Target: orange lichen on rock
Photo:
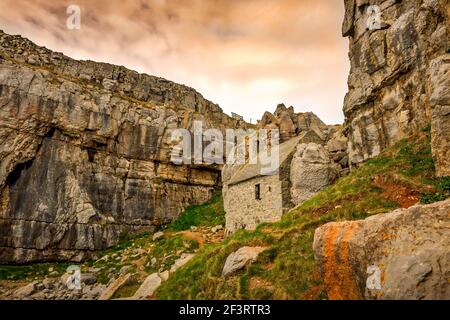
(338, 275)
(395, 256)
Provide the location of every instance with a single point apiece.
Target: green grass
(209, 214)
(287, 268)
(167, 251)
(31, 271)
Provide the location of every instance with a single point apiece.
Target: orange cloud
(245, 55)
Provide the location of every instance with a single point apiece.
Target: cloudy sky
(245, 55)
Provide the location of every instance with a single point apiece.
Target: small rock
(64, 279)
(48, 284)
(85, 77)
(194, 228)
(240, 258)
(97, 290)
(88, 278)
(125, 269)
(109, 84)
(39, 287)
(38, 296)
(158, 235)
(114, 286)
(187, 245)
(185, 257)
(31, 60)
(104, 258)
(164, 275)
(153, 261)
(134, 256)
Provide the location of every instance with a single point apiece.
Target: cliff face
(84, 152)
(398, 84)
(400, 255)
(399, 79)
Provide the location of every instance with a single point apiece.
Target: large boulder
(403, 254)
(311, 171)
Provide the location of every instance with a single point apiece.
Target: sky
(246, 55)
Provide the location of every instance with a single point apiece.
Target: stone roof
(250, 171)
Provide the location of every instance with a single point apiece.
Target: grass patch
(166, 251)
(127, 290)
(209, 214)
(287, 268)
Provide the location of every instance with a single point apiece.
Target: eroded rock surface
(85, 153)
(399, 255)
(312, 170)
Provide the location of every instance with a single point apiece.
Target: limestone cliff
(84, 152)
(399, 80)
(398, 84)
(312, 156)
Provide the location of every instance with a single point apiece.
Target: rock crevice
(85, 153)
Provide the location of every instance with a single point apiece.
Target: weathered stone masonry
(251, 198)
(306, 167)
(84, 153)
